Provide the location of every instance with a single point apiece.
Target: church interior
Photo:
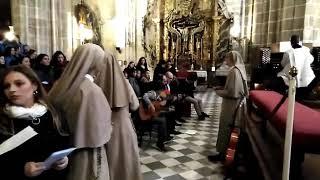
(244, 71)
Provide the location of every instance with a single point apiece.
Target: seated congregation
(163, 101)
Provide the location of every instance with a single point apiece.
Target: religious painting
(89, 21)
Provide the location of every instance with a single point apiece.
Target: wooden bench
(306, 129)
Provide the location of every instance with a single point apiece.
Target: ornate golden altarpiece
(191, 33)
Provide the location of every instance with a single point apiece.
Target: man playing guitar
(150, 110)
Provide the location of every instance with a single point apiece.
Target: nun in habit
(122, 149)
(86, 112)
(234, 92)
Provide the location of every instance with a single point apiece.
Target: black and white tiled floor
(187, 155)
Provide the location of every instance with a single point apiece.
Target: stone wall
(272, 21)
(50, 25)
(311, 33)
(121, 26)
(42, 24)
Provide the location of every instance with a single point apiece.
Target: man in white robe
(300, 57)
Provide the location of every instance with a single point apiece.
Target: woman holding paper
(24, 108)
(86, 112)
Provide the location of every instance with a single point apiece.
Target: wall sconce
(10, 36)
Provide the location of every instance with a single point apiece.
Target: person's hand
(152, 109)
(61, 164)
(33, 169)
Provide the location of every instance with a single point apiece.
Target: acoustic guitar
(233, 140)
(233, 143)
(146, 114)
(234, 134)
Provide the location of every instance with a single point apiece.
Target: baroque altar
(185, 42)
(194, 34)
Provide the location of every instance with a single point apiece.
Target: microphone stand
(289, 124)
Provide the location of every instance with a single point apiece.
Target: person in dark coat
(24, 104)
(58, 62)
(44, 71)
(142, 65)
(10, 56)
(159, 70)
(130, 68)
(170, 68)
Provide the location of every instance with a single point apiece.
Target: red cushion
(306, 128)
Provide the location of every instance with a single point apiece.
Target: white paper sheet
(56, 156)
(191, 132)
(18, 139)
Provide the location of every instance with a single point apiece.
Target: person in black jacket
(170, 67)
(44, 71)
(58, 63)
(134, 83)
(23, 103)
(142, 65)
(159, 70)
(130, 68)
(186, 89)
(2, 64)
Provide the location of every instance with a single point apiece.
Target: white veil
(239, 64)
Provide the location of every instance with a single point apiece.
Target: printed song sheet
(18, 139)
(56, 156)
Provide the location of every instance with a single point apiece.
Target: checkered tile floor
(187, 155)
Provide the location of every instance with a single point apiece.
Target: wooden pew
(306, 130)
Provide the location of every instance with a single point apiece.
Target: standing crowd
(47, 69)
(88, 108)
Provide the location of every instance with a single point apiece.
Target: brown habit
(234, 89)
(122, 151)
(86, 112)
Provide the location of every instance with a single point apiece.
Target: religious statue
(185, 36)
